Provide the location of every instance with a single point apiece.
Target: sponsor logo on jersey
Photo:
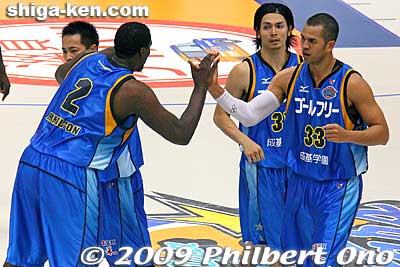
(329, 92)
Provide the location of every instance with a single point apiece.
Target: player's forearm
(2, 67)
(3, 73)
(249, 113)
(216, 91)
(228, 127)
(191, 116)
(373, 135)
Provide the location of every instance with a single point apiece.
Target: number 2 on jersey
(83, 88)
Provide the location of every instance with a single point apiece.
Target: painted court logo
(199, 225)
(377, 227)
(201, 234)
(32, 51)
(229, 49)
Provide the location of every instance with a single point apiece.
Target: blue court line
(388, 95)
(172, 104)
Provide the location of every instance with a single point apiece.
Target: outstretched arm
(251, 113)
(360, 97)
(4, 81)
(135, 97)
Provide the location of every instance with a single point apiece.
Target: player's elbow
(183, 135)
(384, 134)
(217, 119)
(183, 141)
(248, 122)
(385, 137)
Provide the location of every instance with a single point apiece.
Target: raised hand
(203, 73)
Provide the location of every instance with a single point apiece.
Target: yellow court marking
(227, 221)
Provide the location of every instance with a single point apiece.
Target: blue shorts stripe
(350, 203)
(92, 210)
(253, 207)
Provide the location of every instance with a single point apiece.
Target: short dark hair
(87, 31)
(130, 37)
(329, 24)
(273, 8)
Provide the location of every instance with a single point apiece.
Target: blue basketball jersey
(268, 133)
(78, 126)
(129, 161)
(309, 108)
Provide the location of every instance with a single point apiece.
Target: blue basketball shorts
(54, 219)
(261, 201)
(320, 214)
(123, 221)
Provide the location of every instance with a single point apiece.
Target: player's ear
(330, 45)
(94, 47)
(143, 51)
(290, 29)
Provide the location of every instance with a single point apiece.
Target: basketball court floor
(192, 191)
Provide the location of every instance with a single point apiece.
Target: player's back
(78, 126)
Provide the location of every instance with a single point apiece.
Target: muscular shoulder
(357, 87)
(284, 77)
(238, 80)
(134, 88)
(241, 69)
(355, 80)
(130, 98)
(288, 72)
(280, 83)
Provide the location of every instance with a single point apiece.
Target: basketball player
(332, 116)
(4, 81)
(262, 179)
(54, 213)
(78, 36)
(119, 227)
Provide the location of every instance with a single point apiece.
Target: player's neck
(120, 62)
(323, 68)
(276, 58)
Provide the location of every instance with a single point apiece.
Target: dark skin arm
(135, 97)
(4, 81)
(63, 69)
